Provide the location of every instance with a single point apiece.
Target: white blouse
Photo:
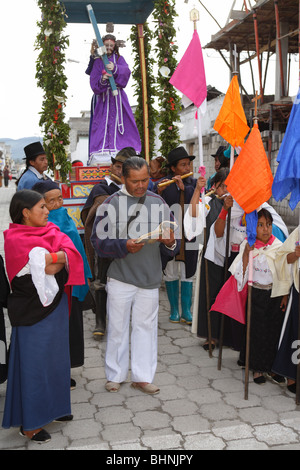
(261, 272)
(193, 226)
(45, 284)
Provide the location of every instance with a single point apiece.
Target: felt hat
(124, 154)
(220, 151)
(44, 186)
(33, 150)
(178, 154)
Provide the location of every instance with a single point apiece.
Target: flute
(212, 191)
(166, 183)
(115, 177)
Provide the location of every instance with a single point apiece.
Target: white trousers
(125, 301)
(176, 270)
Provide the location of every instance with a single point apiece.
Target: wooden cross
(255, 100)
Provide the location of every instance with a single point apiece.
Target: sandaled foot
(39, 435)
(259, 379)
(276, 378)
(206, 345)
(145, 387)
(112, 386)
(291, 386)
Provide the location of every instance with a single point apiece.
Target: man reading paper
(134, 275)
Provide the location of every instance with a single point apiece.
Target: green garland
(164, 14)
(51, 78)
(151, 89)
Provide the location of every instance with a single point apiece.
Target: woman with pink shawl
(40, 261)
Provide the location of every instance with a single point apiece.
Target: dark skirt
(265, 328)
(3, 349)
(286, 359)
(76, 334)
(38, 383)
(233, 331)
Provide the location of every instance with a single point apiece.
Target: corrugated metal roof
(240, 31)
(118, 12)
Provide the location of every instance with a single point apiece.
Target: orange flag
(250, 179)
(231, 122)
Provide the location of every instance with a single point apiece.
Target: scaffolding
(261, 30)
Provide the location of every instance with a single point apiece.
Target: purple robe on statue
(113, 126)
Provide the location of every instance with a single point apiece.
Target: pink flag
(231, 302)
(189, 76)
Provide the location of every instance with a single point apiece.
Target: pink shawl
(229, 300)
(19, 240)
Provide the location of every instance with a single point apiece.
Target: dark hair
(127, 152)
(220, 175)
(133, 163)
(224, 161)
(112, 38)
(27, 161)
(23, 199)
(266, 214)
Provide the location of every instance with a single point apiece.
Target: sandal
(259, 379)
(40, 437)
(276, 378)
(148, 388)
(292, 387)
(112, 386)
(206, 346)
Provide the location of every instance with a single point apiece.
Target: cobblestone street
(198, 408)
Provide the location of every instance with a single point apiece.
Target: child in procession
(268, 299)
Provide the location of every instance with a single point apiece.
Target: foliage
(51, 78)
(151, 89)
(164, 14)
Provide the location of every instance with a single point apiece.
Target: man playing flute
(178, 196)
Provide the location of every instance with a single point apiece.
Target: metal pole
(279, 46)
(270, 134)
(258, 57)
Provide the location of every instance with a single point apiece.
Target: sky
(21, 99)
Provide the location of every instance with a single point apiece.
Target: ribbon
(202, 172)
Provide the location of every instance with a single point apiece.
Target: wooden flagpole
(140, 29)
(250, 283)
(194, 16)
(221, 335)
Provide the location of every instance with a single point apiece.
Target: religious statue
(112, 125)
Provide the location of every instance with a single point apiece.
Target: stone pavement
(198, 408)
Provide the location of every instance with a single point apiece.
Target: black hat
(178, 154)
(220, 151)
(44, 186)
(33, 150)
